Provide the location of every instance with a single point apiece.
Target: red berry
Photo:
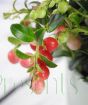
(46, 53)
(51, 44)
(40, 62)
(12, 57)
(44, 74)
(27, 62)
(59, 29)
(45, 71)
(33, 46)
(74, 43)
(38, 86)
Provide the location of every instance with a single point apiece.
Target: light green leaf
(6, 15)
(14, 41)
(63, 7)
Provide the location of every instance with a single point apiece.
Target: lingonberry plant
(67, 25)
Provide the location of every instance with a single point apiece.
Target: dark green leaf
(39, 35)
(48, 62)
(23, 33)
(14, 41)
(31, 33)
(42, 21)
(22, 55)
(56, 21)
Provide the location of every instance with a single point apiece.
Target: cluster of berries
(50, 44)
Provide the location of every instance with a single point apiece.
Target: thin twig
(10, 92)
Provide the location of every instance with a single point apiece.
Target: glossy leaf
(48, 62)
(23, 33)
(22, 55)
(55, 21)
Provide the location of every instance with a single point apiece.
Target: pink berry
(27, 62)
(38, 86)
(59, 29)
(12, 57)
(44, 74)
(74, 43)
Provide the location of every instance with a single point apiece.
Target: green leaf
(30, 69)
(31, 33)
(21, 54)
(55, 21)
(52, 4)
(14, 41)
(55, 11)
(75, 18)
(48, 62)
(6, 15)
(43, 21)
(23, 33)
(63, 7)
(80, 29)
(33, 14)
(39, 35)
(41, 13)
